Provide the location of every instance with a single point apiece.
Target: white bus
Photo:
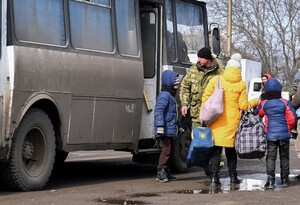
(84, 75)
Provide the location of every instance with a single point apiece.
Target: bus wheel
(32, 153)
(181, 148)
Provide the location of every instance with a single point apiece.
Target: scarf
(272, 95)
(169, 89)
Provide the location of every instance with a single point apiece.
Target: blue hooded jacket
(165, 114)
(280, 116)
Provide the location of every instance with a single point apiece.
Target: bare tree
(264, 30)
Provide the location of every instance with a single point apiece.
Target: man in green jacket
(194, 83)
(294, 86)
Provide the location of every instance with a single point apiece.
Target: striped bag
(250, 140)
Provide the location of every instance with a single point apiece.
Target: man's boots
(233, 178)
(215, 179)
(170, 176)
(270, 182)
(207, 171)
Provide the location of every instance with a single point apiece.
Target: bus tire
(180, 150)
(33, 152)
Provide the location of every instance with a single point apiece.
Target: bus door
(151, 44)
(3, 75)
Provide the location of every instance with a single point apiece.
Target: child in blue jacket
(280, 118)
(165, 122)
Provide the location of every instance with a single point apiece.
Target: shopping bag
(250, 140)
(200, 148)
(214, 105)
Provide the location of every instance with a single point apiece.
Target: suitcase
(200, 148)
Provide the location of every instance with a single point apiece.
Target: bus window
(190, 27)
(91, 26)
(106, 2)
(0, 29)
(126, 27)
(182, 49)
(170, 32)
(148, 26)
(44, 18)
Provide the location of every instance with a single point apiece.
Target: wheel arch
(45, 102)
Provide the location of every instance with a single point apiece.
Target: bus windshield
(189, 28)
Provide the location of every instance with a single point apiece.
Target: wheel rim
(34, 151)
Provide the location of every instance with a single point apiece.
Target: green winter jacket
(193, 85)
(293, 89)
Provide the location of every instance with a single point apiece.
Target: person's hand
(258, 100)
(160, 130)
(184, 110)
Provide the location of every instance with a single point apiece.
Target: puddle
(251, 182)
(120, 201)
(144, 195)
(127, 201)
(226, 187)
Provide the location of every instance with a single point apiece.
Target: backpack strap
(288, 115)
(263, 103)
(285, 101)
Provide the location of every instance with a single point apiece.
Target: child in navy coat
(165, 122)
(280, 118)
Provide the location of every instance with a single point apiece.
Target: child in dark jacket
(280, 118)
(165, 122)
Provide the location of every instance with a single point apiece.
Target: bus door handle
(147, 102)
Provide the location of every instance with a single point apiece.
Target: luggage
(214, 105)
(250, 140)
(200, 148)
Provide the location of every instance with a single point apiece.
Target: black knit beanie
(204, 53)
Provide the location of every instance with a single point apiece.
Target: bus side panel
(81, 121)
(103, 127)
(103, 89)
(113, 122)
(124, 122)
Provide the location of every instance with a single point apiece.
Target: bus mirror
(216, 39)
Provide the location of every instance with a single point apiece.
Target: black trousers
(284, 148)
(215, 159)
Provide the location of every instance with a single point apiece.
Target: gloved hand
(160, 130)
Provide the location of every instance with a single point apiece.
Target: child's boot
(162, 176)
(294, 133)
(285, 182)
(270, 182)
